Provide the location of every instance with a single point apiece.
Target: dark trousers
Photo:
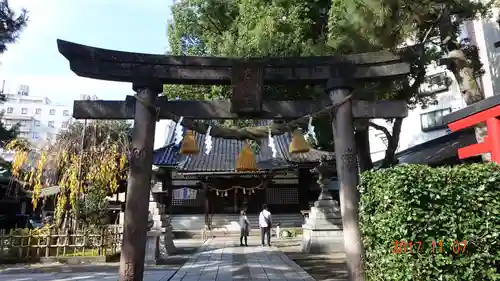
(244, 236)
(265, 231)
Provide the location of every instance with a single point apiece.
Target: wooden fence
(29, 245)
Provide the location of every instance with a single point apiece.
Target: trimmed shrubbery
(456, 206)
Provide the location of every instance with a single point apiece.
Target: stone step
(197, 222)
(254, 232)
(159, 217)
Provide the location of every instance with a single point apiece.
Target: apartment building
(423, 124)
(423, 135)
(40, 120)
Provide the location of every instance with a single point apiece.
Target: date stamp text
(435, 246)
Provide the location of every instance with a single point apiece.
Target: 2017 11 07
(435, 246)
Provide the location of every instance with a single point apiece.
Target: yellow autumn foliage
(101, 165)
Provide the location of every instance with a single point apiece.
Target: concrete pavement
(218, 259)
(222, 259)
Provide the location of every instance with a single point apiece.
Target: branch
(419, 79)
(216, 27)
(381, 128)
(392, 144)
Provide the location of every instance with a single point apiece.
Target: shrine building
(191, 187)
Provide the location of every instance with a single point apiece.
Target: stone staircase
(157, 214)
(228, 224)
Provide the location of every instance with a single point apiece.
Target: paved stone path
(219, 259)
(222, 259)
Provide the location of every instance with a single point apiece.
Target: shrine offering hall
(211, 183)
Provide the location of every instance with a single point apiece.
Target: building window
(37, 123)
(36, 135)
(433, 120)
(64, 124)
(38, 111)
(52, 112)
(51, 124)
(24, 111)
(66, 112)
(23, 123)
(10, 109)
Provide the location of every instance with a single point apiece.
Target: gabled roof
(166, 156)
(224, 154)
(313, 156)
(436, 150)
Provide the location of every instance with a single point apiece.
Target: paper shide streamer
(271, 144)
(179, 131)
(208, 141)
(310, 134)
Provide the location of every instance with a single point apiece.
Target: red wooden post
(491, 142)
(493, 125)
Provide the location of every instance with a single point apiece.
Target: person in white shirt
(265, 224)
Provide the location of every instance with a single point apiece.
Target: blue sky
(127, 25)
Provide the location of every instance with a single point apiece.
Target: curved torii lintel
(103, 64)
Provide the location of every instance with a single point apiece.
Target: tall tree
(11, 25)
(10, 28)
(301, 28)
(242, 28)
(463, 61)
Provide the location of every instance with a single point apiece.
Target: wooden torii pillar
(487, 110)
(148, 73)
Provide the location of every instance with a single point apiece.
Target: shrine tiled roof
(436, 150)
(224, 153)
(313, 156)
(166, 156)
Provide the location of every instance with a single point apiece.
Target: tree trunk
(392, 144)
(347, 169)
(362, 138)
(135, 224)
(392, 141)
(462, 69)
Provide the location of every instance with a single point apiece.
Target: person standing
(245, 228)
(265, 224)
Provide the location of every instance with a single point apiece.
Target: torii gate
(148, 73)
(487, 110)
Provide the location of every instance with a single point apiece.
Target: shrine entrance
(236, 202)
(148, 74)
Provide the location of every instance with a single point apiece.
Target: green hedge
(422, 204)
